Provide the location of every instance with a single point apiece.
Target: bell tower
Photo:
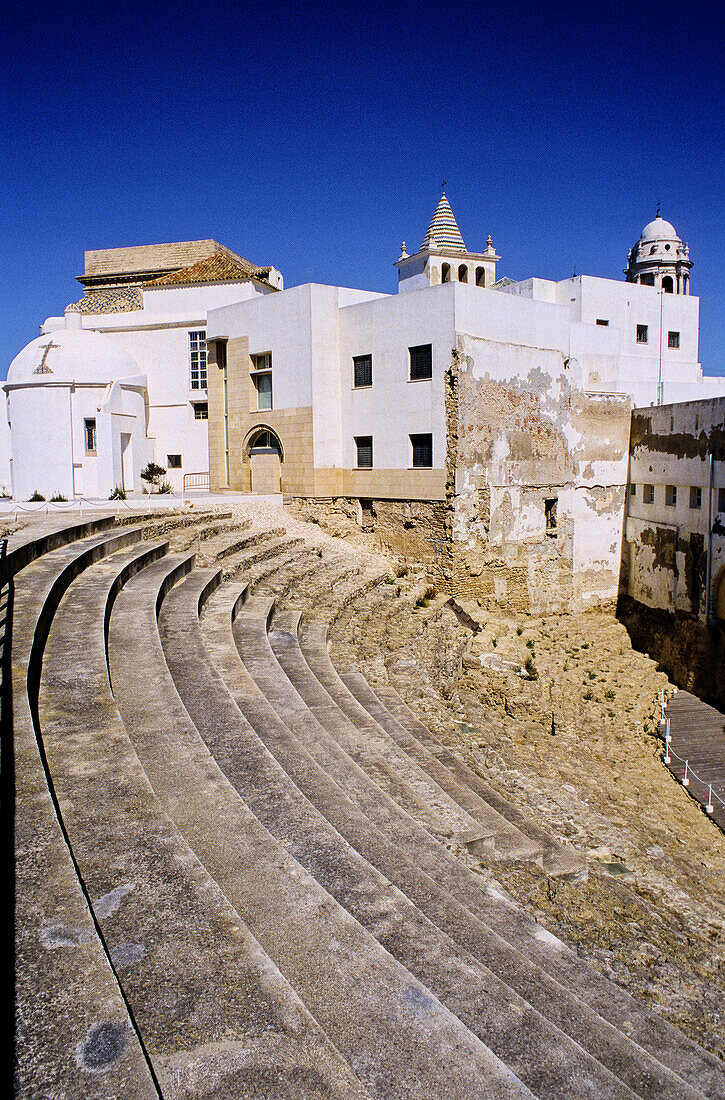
(443, 258)
(660, 259)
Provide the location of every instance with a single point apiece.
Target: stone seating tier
(242, 874)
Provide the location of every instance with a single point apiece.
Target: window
(721, 500)
(262, 379)
(422, 447)
(364, 447)
(480, 276)
(550, 514)
(647, 280)
(362, 369)
(642, 334)
(648, 494)
(463, 274)
(667, 285)
(89, 430)
(173, 462)
(601, 321)
(197, 353)
(670, 495)
(421, 362)
(673, 339)
(446, 273)
(201, 410)
(633, 490)
(695, 496)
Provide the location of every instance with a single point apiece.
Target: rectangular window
(633, 490)
(550, 513)
(197, 353)
(721, 500)
(642, 334)
(173, 462)
(648, 494)
(364, 449)
(422, 448)
(263, 387)
(673, 339)
(89, 428)
(262, 379)
(201, 410)
(362, 366)
(695, 496)
(670, 495)
(601, 321)
(421, 362)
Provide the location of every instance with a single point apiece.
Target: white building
(120, 379)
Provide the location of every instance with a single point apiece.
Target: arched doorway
(264, 455)
(668, 285)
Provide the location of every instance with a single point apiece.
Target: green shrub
(58, 498)
(36, 496)
(166, 487)
(610, 694)
(589, 695)
(117, 494)
(531, 670)
(152, 474)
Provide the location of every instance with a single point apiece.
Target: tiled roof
(121, 300)
(222, 266)
(443, 231)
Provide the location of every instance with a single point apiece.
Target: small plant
(585, 645)
(36, 496)
(117, 494)
(494, 642)
(58, 498)
(530, 644)
(519, 630)
(166, 487)
(589, 695)
(531, 670)
(591, 675)
(153, 474)
(388, 580)
(610, 694)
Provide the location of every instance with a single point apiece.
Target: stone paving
(242, 874)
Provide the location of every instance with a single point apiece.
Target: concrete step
(539, 1054)
(215, 1016)
(74, 1035)
(398, 1038)
(46, 535)
(488, 831)
(490, 922)
(557, 859)
(229, 543)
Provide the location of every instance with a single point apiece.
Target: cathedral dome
(72, 355)
(659, 230)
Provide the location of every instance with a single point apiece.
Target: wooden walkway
(698, 739)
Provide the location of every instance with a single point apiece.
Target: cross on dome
(42, 367)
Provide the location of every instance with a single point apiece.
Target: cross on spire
(43, 367)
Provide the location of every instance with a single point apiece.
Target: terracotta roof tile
(223, 266)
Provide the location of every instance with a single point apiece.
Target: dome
(72, 355)
(659, 230)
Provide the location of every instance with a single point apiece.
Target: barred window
(197, 352)
(673, 339)
(173, 462)
(362, 366)
(421, 362)
(642, 334)
(695, 496)
(89, 426)
(201, 410)
(364, 447)
(648, 494)
(550, 515)
(422, 447)
(671, 495)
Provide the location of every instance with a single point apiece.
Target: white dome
(659, 230)
(72, 355)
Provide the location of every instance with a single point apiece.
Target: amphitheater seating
(241, 872)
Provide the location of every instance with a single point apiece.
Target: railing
(690, 775)
(196, 481)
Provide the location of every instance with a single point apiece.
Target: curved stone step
(399, 1040)
(41, 538)
(215, 1016)
(509, 922)
(557, 859)
(86, 1044)
(493, 833)
(539, 1054)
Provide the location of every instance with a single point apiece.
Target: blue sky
(314, 136)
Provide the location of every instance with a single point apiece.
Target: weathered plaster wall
(523, 433)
